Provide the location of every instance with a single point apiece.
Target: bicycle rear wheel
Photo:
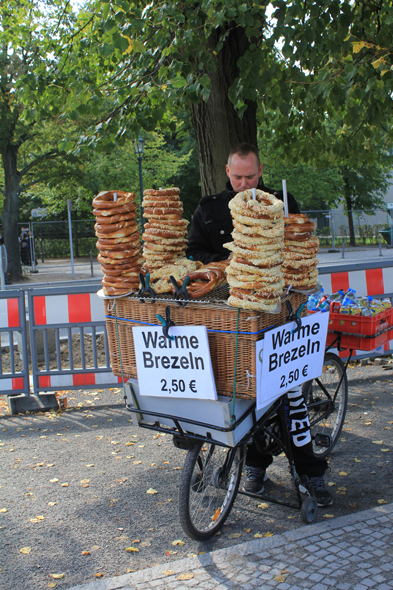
(326, 405)
(210, 480)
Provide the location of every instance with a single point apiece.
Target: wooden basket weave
(220, 321)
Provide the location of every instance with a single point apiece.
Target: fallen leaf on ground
(385, 450)
(85, 553)
(263, 505)
(64, 485)
(382, 501)
(141, 446)
(153, 464)
(328, 516)
(52, 503)
(3, 509)
(129, 444)
(168, 572)
(331, 483)
(54, 480)
(99, 575)
(91, 465)
(137, 462)
(248, 530)
(377, 442)
(268, 534)
(25, 550)
(132, 549)
(357, 460)
(151, 491)
(85, 480)
(178, 542)
(135, 541)
(234, 535)
(342, 473)
(57, 576)
(145, 544)
(279, 578)
(52, 584)
(185, 576)
(258, 536)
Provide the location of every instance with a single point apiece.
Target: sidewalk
(353, 552)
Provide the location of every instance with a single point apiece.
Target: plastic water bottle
(313, 300)
(349, 297)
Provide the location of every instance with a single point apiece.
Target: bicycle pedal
(323, 440)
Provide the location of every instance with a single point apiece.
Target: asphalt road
(73, 487)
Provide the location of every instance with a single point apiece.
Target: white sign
(389, 205)
(288, 357)
(40, 212)
(174, 368)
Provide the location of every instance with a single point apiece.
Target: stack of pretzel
(300, 248)
(254, 273)
(118, 241)
(165, 233)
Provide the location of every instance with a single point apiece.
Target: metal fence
(369, 226)
(61, 335)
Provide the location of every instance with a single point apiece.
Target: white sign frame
(287, 358)
(163, 371)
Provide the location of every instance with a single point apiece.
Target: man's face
(244, 172)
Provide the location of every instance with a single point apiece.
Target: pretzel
(111, 227)
(116, 247)
(113, 218)
(258, 283)
(162, 192)
(264, 228)
(301, 228)
(258, 305)
(164, 233)
(115, 292)
(104, 260)
(274, 238)
(263, 204)
(121, 267)
(106, 200)
(296, 218)
(175, 223)
(168, 204)
(126, 239)
(305, 263)
(160, 247)
(164, 241)
(201, 282)
(163, 213)
(128, 208)
(119, 233)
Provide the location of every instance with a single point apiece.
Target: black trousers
(298, 422)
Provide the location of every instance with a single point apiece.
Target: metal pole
(332, 229)
(42, 246)
(343, 252)
(32, 250)
(70, 232)
(91, 264)
(2, 277)
(141, 191)
(380, 247)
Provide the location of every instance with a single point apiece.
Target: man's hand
(230, 256)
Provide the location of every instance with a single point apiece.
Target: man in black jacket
(211, 227)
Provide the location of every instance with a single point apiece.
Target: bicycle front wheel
(210, 480)
(327, 404)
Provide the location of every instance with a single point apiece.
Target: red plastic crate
(355, 342)
(358, 324)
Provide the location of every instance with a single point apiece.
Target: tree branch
(51, 155)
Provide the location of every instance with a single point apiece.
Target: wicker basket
(221, 323)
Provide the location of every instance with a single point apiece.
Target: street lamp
(139, 145)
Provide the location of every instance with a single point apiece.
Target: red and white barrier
(78, 379)
(374, 281)
(68, 309)
(9, 313)
(13, 384)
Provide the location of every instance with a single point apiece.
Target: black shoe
(255, 478)
(316, 488)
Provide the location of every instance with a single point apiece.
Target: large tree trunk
(10, 216)
(348, 203)
(217, 125)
